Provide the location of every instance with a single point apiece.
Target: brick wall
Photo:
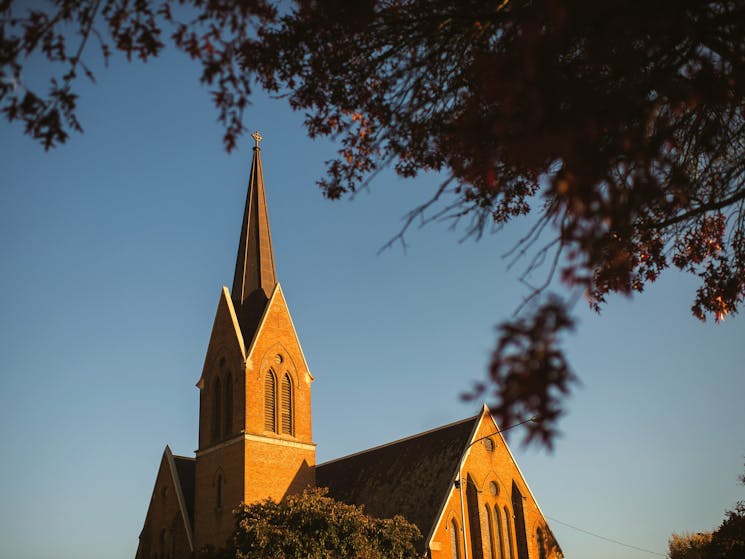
(213, 524)
(492, 473)
(253, 463)
(164, 533)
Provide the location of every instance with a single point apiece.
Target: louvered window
(270, 402)
(287, 405)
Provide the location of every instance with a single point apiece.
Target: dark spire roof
(255, 277)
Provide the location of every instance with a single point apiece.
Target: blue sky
(114, 248)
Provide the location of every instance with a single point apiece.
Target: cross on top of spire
(258, 137)
(255, 277)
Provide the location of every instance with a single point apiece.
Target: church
(459, 483)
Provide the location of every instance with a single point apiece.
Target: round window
(489, 444)
(493, 488)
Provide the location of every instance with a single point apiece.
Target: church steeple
(255, 277)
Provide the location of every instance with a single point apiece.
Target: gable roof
(182, 472)
(277, 298)
(410, 477)
(225, 330)
(185, 467)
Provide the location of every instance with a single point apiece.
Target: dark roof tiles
(255, 276)
(186, 467)
(410, 477)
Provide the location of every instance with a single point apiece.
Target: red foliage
(621, 122)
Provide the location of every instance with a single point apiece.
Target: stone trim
(280, 442)
(223, 444)
(256, 438)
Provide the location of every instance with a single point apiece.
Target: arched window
(287, 405)
(163, 543)
(500, 534)
(508, 529)
(216, 410)
(228, 428)
(218, 492)
(490, 531)
(474, 523)
(541, 544)
(270, 402)
(172, 535)
(521, 538)
(454, 540)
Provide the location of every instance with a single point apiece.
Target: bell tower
(255, 438)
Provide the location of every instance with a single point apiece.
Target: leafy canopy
(726, 542)
(688, 546)
(313, 525)
(619, 123)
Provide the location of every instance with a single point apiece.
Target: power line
(606, 539)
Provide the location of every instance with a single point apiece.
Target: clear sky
(114, 248)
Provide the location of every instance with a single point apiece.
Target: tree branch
(701, 210)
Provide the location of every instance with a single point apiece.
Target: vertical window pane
(490, 532)
(474, 523)
(500, 534)
(454, 540)
(521, 538)
(508, 528)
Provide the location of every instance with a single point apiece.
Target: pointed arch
(216, 409)
(288, 406)
(218, 486)
(521, 539)
(490, 532)
(270, 401)
(454, 539)
(163, 543)
(500, 534)
(219, 491)
(541, 543)
(474, 523)
(508, 529)
(228, 415)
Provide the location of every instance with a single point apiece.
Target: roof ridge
(403, 439)
(179, 490)
(184, 457)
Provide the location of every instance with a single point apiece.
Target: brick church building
(458, 483)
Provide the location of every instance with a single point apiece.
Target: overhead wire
(606, 539)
